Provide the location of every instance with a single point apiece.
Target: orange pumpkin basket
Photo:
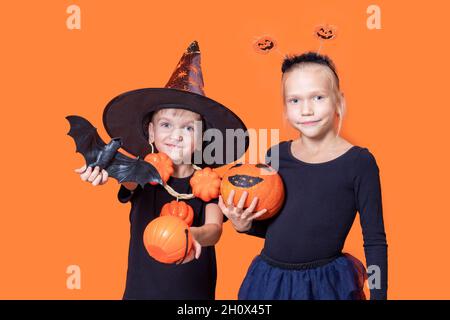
(259, 180)
(167, 239)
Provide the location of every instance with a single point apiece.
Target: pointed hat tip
(193, 47)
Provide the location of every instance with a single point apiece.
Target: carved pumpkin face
(178, 209)
(258, 180)
(325, 32)
(167, 239)
(264, 45)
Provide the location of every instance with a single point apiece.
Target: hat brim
(123, 117)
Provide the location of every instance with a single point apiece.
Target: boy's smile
(172, 132)
(173, 146)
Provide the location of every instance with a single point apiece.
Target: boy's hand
(93, 176)
(194, 253)
(240, 218)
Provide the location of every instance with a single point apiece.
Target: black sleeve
(258, 228)
(369, 206)
(124, 195)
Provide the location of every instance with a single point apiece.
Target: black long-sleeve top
(150, 279)
(321, 201)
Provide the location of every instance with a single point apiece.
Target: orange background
(393, 80)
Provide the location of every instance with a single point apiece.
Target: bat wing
(122, 167)
(126, 169)
(86, 137)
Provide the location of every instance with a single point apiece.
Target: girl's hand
(240, 218)
(93, 176)
(194, 253)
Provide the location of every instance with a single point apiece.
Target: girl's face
(310, 101)
(173, 131)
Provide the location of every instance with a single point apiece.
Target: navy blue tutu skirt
(339, 278)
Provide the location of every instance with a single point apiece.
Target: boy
(166, 118)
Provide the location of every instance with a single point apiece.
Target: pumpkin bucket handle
(153, 148)
(187, 243)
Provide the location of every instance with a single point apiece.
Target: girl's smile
(310, 123)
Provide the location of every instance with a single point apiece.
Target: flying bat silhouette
(97, 153)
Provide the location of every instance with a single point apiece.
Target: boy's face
(310, 99)
(173, 131)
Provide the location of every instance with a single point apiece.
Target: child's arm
(369, 206)
(258, 228)
(97, 177)
(242, 220)
(126, 191)
(209, 234)
(94, 176)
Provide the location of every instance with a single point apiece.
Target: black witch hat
(125, 115)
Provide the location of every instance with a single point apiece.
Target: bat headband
(124, 115)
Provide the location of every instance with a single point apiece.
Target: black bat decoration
(97, 153)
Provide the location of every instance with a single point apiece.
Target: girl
(327, 180)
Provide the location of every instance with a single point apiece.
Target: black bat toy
(97, 153)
